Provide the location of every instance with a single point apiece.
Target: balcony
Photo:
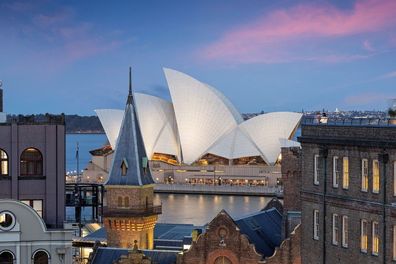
(133, 211)
(378, 122)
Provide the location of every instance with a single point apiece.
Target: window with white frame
(364, 175)
(345, 231)
(345, 173)
(316, 224)
(375, 239)
(394, 242)
(37, 205)
(335, 229)
(335, 172)
(363, 235)
(376, 177)
(316, 169)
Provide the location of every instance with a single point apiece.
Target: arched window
(3, 163)
(31, 162)
(119, 202)
(126, 201)
(40, 257)
(6, 257)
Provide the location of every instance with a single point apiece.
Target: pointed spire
(130, 162)
(130, 97)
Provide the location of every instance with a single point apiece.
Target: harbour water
(176, 208)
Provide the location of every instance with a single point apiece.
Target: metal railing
(349, 121)
(136, 210)
(219, 189)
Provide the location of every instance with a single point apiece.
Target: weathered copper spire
(130, 97)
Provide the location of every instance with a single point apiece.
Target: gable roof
(263, 229)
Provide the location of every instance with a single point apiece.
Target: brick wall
(289, 251)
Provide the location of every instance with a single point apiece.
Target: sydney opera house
(200, 137)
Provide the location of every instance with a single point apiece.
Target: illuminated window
(363, 236)
(345, 173)
(3, 163)
(335, 172)
(375, 239)
(345, 231)
(335, 229)
(37, 205)
(31, 162)
(316, 169)
(222, 260)
(316, 224)
(364, 175)
(376, 177)
(394, 242)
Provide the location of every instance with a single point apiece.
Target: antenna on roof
(129, 101)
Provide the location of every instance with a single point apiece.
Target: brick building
(348, 192)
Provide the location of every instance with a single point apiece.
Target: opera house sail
(200, 121)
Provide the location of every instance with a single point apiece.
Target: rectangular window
(364, 175)
(335, 172)
(375, 237)
(316, 169)
(394, 242)
(363, 236)
(316, 224)
(376, 177)
(345, 173)
(37, 205)
(335, 229)
(345, 231)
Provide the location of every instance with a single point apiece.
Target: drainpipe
(323, 152)
(384, 158)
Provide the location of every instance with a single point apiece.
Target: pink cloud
(273, 37)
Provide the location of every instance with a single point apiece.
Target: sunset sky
(73, 56)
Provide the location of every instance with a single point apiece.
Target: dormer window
(124, 167)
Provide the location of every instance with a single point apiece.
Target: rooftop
(371, 122)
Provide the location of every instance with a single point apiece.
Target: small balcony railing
(133, 211)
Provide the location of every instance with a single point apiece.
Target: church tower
(130, 214)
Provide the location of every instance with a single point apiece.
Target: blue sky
(73, 56)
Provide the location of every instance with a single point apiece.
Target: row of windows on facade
(31, 163)
(345, 174)
(38, 257)
(364, 231)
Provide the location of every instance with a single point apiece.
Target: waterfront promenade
(219, 189)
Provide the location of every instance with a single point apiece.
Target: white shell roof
(266, 130)
(156, 120)
(235, 144)
(158, 125)
(111, 120)
(202, 116)
(202, 120)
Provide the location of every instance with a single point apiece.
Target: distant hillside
(74, 123)
(83, 124)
